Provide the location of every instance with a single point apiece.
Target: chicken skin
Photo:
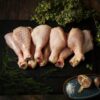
(79, 42)
(66, 52)
(46, 54)
(57, 43)
(75, 43)
(22, 36)
(15, 47)
(40, 36)
(32, 62)
(43, 43)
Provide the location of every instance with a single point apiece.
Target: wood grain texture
(24, 9)
(17, 9)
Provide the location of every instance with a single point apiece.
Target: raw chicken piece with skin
(88, 44)
(22, 36)
(57, 43)
(85, 47)
(66, 52)
(14, 46)
(75, 43)
(32, 62)
(46, 54)
(40, 36)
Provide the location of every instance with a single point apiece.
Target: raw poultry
(86, 46)
(43, 43)
(40, 36)
(79, 42)
(75, 43)
(20, 41)
(22, 36)
(15, 47)
(57, 43)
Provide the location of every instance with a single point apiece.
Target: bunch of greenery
(62, 12)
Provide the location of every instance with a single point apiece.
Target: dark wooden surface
(17, 9)
(24, 9)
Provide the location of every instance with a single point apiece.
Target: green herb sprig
(62, 12)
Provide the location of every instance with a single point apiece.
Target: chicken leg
(87, 46)
(32, 62)
(75, 43)
(22, 36)
(40, 36)
(14, 46)
(46, 54)
(65, 53)
(57, 43)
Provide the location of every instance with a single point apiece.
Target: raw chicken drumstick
(79, 42)
(75, 43)
(15, 47)
(57, 43)
(32, 62)
(66, 52)
(40, 36)
(87, 46)
(22, 36)
(46, 54)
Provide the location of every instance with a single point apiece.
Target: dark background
(24, 9)
(11, 11)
